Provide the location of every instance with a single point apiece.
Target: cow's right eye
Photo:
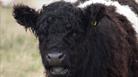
(50, 20)
(68, 27)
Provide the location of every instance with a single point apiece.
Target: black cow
(94, 41)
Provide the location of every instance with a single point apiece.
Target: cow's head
(61, 29)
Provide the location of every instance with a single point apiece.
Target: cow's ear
(26, 16)
(94, 13)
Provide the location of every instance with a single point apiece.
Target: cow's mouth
(58, 71)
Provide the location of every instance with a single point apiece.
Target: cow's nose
(55, 58)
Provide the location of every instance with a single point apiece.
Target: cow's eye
(68, 26)
(50, 19)
(74, 34)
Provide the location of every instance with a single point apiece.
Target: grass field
(19, 54)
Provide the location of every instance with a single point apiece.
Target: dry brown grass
(19, 54)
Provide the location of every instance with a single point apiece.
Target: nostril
(61, 56)
(48, 57)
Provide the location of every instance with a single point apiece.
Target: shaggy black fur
(98, 42)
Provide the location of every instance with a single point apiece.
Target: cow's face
(60, 33)
(60, 30)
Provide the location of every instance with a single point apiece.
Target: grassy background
(19, 54)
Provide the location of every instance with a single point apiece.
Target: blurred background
(19, 54)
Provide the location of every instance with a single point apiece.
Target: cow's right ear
(26, 16)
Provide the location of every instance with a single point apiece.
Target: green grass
(19, 54)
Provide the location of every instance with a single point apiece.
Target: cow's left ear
(26, 16)
(94, 13)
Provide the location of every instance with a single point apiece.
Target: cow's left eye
(74, 34)
(68, 27)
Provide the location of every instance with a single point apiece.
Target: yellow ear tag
(93, 23)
